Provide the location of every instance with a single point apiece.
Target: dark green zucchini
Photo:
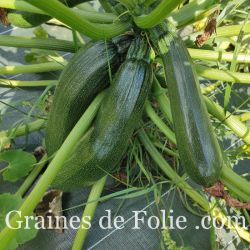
(81, 80)
(199, 150)
(23, 19)
(103, 147)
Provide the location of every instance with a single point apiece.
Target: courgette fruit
(102, 148)
(82, 79)
(23, 19)
(199, 150)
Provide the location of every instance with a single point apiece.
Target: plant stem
(162, 99)
(32, 176)
(95, 31)
(217, 55)
(223, 75)
(231, 121)
(217, 74)
(93, 16)
(235, 190)
(19, 5)
(32, 68)
(37, 43)
(7, 135)
(3, 169)
(237, 181)
(166, 150)
(162, 11)
(89, 210)
(194, 195)
(30, 127)
(106, 6)
(159, 123)
(192, 12)
(17, 83)
(97, 17)
(224, 31)
(232, 30)
(54, 167)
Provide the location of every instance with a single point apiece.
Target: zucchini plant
(132, 91)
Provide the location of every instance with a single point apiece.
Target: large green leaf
(10, 202)
(19, 164)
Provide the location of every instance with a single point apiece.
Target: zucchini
(199, 150)
(81, 80)
(23, 19)
(103, 147)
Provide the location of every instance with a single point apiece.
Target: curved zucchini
(81, 80)
(197, 144)
(102, 148)
(23, 19)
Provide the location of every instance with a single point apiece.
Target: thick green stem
(162, 11)
(159, 123)
(23, 129)
(37, 43)
(222, 75)
(232, 30)
(96, 31)
(235, 191)
(238, 181)
(162, 99)
(93, 16)
(54, 167)
(97, 17)
(89, 211)
(218, 55)
(192, 12)
(17, 83)
(32, 68)
(32, 176)
(19, 5)
(194, 195)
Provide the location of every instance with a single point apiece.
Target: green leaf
(10, 202)
(19, 162)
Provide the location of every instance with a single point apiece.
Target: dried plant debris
(4, 17)
(218, 191)
(49, 210)
(208, 31)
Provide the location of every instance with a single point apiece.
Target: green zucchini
(82, 79)
(103, 147)
(199, 150)
(23, 19)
